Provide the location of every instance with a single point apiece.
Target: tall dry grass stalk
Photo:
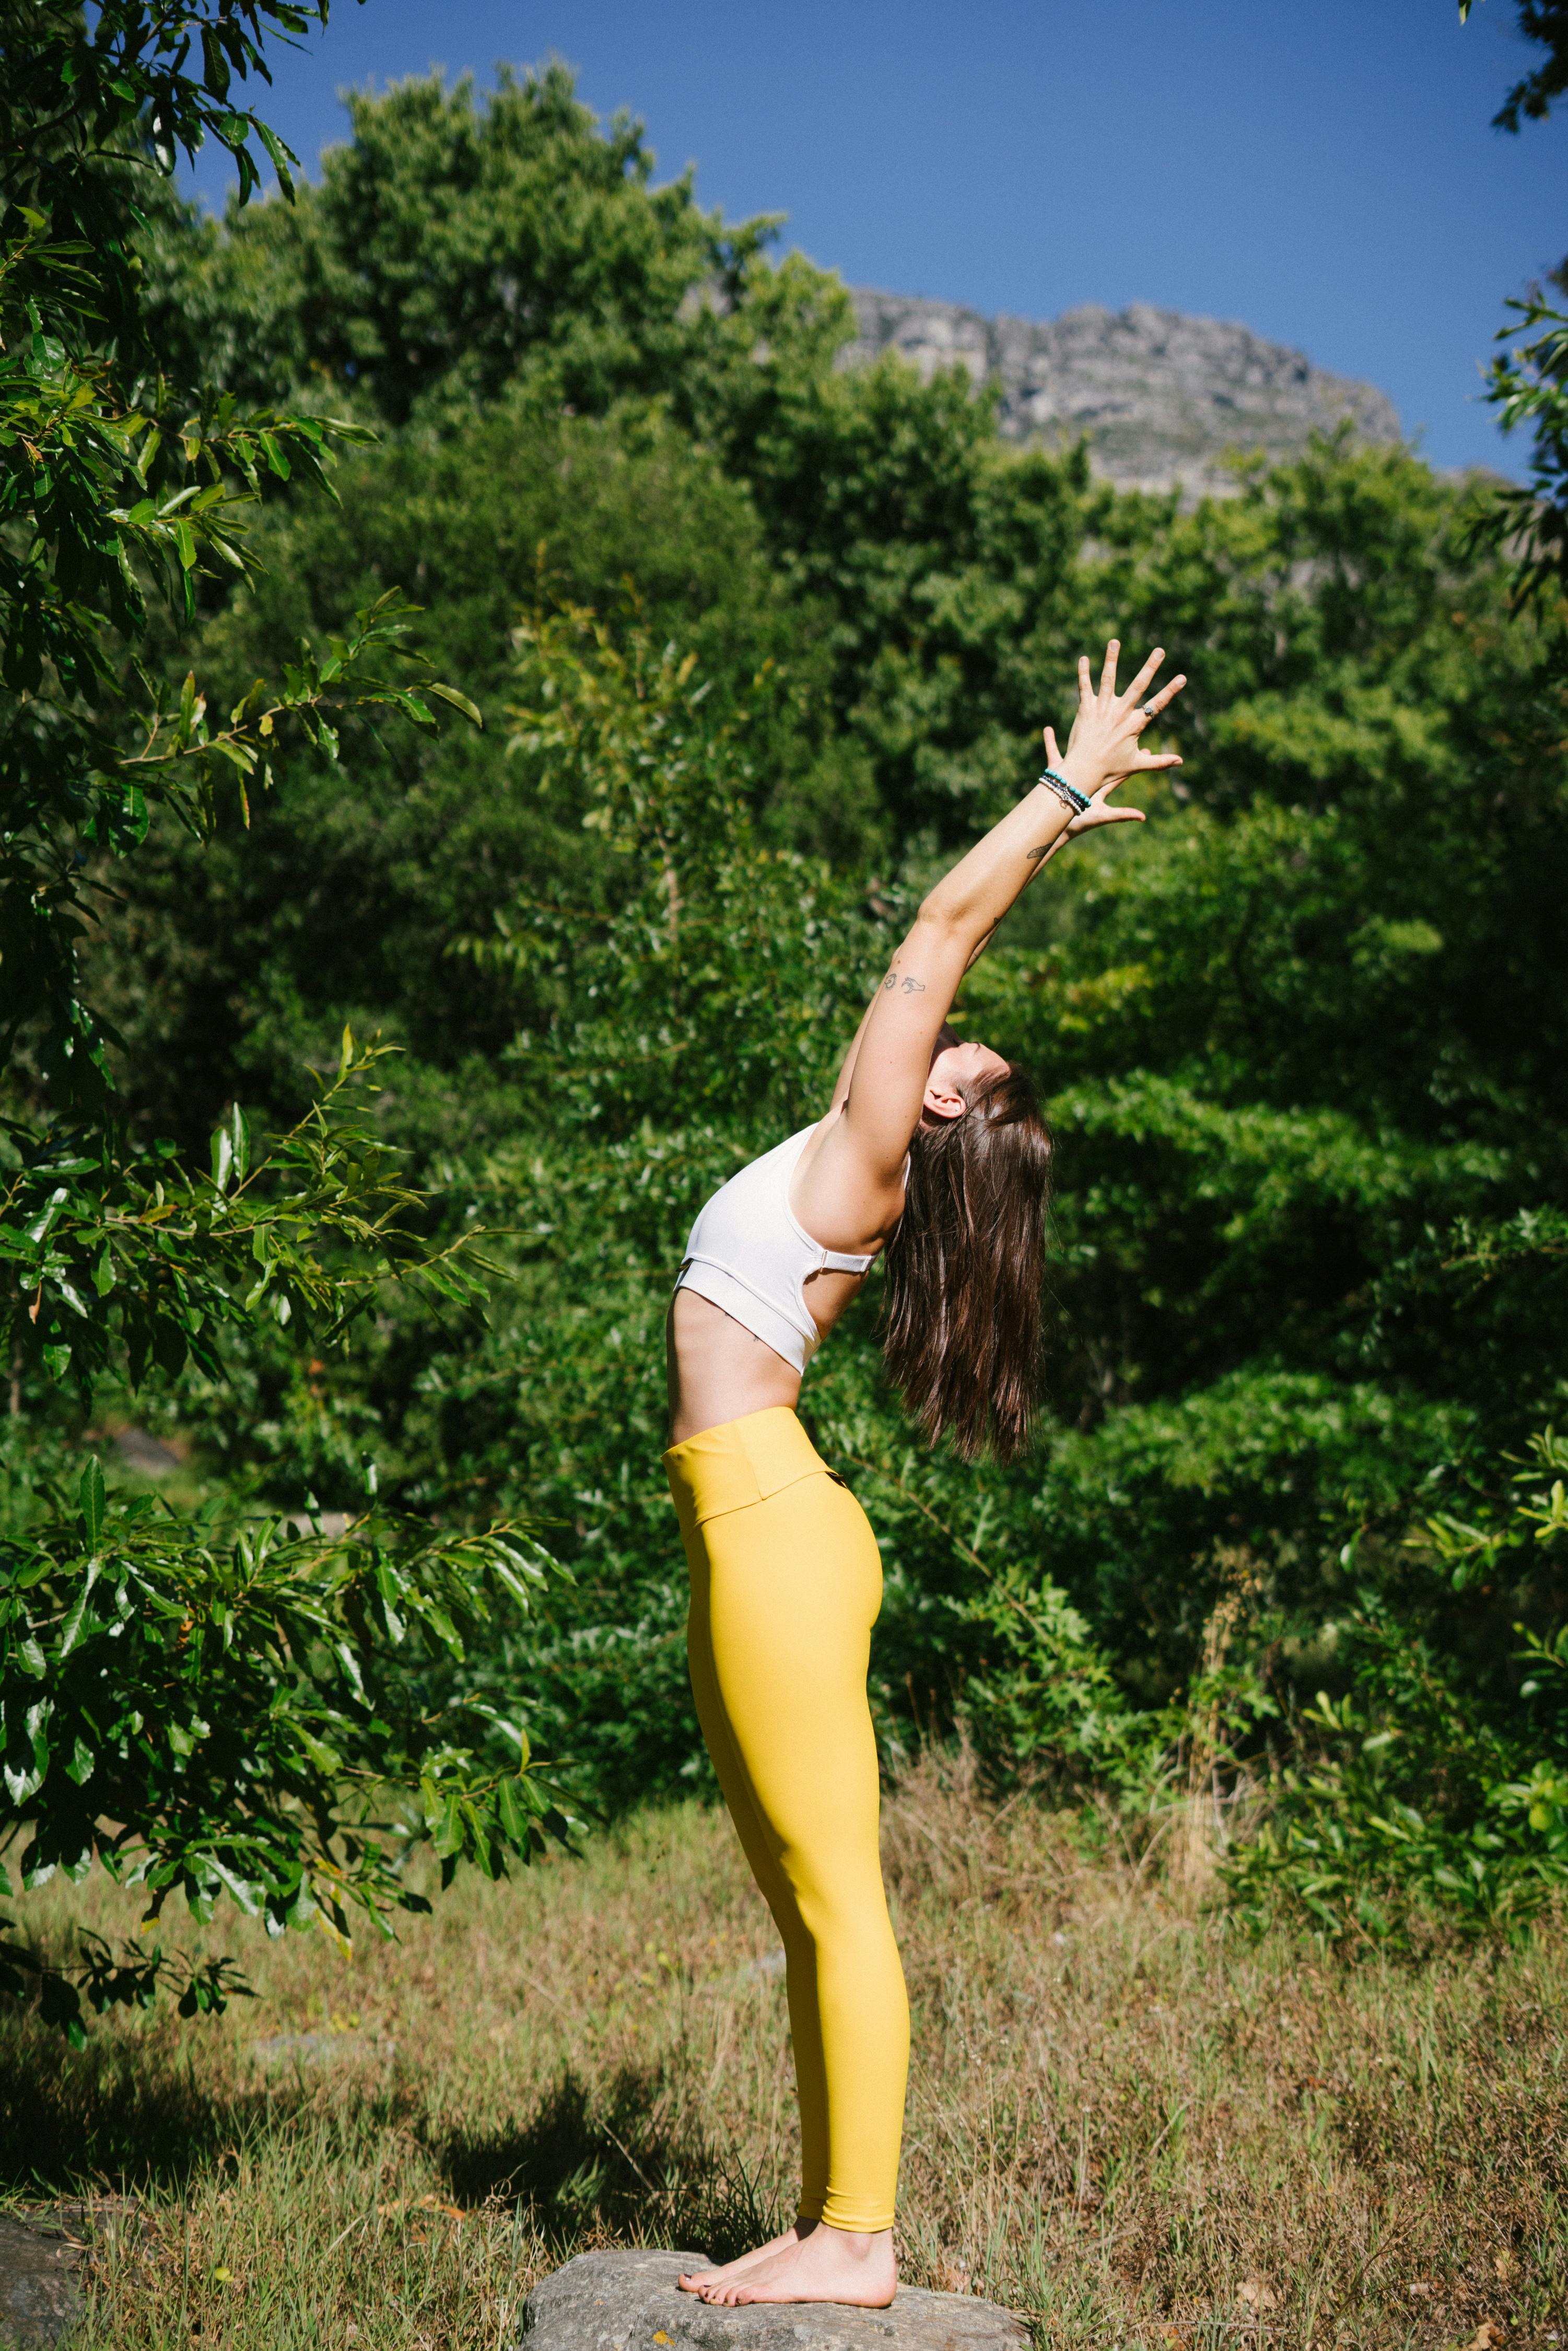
(1199, 1831)
(1124, 2120)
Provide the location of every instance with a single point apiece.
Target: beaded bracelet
(1055, 782)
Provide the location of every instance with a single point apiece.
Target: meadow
(1128, 2120)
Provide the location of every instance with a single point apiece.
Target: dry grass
(1124, 2120)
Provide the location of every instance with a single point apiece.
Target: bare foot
(827, 2265)
(694, 2281)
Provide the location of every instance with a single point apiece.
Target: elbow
(940, 914)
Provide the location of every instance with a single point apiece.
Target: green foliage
(230, 1709)
(1419, 1787)
(947, 570)
(1472, 1552)
(679, 998)
(1528, 384)
(107, 481)
(454, 250)
(1260, 1338)
(1532, 95)
(1414, 1798)
(132, 1259)
(1044, 1693)
(755, 642)
(248, 954)
(133, 1979)
(205, 1681)
(712, 973)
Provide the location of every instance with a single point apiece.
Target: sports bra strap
(837, 1261)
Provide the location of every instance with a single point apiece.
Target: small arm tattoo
(1034, 856)
(911, 987)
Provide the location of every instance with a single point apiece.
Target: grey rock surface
(40, 2286)
(630, 2302)
(319, 2048)
(1161, 395)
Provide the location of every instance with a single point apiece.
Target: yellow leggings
(786, 1586)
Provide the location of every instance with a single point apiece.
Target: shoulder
(840, 1196)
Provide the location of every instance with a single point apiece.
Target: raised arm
(883, 1084)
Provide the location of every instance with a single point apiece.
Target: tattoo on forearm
(1033, 856)
(909, 987)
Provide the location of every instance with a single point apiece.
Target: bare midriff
(720, 1371)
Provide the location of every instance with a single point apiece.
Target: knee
(847, 1918)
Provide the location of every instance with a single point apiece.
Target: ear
(942, 1101)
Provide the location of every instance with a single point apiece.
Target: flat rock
(319, 2048)
(630, 2302)
(40, 2285)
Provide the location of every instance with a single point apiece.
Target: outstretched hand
(1103, 749)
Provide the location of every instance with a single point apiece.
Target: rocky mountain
(1162, 396)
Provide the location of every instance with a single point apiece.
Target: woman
(934, 1150)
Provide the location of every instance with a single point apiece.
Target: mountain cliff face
(1162, 396)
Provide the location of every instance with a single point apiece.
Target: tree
(237, 961)
(1528, 384)
(458, 248)
(192, 1701)
(1533, 95)
(503, 259)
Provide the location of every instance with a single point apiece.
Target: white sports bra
(747, 1255)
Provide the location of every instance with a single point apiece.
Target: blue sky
(1322, 170)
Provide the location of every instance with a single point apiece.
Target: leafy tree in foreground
(206, 1703)
(1546, 21)
(1528, 384)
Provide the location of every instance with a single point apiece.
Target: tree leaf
(90, 1497)
(470, 710)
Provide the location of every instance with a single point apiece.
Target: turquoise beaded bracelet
(1058, 783)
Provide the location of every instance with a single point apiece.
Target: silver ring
(1149, 710)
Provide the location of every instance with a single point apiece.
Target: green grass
(1126, 2120)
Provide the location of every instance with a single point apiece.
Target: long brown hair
(960, 1332)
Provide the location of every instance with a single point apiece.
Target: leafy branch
(224, 1704)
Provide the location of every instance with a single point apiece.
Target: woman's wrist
(1079, 773)
(1056, 812)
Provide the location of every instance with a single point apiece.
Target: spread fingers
(1135, 692)
(1157, 703)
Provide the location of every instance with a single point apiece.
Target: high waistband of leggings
(739, 1463)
